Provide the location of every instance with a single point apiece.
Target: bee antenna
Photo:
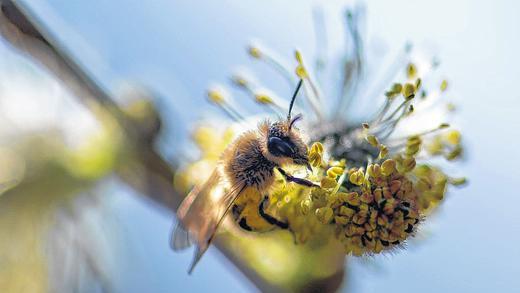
(298, 117)
(293, 98)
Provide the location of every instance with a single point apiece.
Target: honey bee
(246, 168)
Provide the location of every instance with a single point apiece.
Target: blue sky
(178, 47)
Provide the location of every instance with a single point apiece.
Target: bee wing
(192, 211)
(201, 212)
(180, 238)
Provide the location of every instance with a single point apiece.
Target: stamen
(399, 108)
(444, 85)
(453, 153)
(340, 181)
(387, 127)
(219, 97)
(408, 91)
(394, 91)
(411, 71)
(320, 30)
(270, 101)
(430, 99)
(440, 127)
(458, 181)
(303, 74)
(273, 61)
(390, 74)
(261, 96)
(279, 65)
(352, 79)
(383, 151)
(382, 111)
(421, 134)
(243, 79)
(232, 113)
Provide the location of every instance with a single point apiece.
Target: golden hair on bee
(246, 168)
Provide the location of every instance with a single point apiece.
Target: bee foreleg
(296, 180)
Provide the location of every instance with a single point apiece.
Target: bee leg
(242, 222)
(270, 219)
(273, 221)
(296, 180)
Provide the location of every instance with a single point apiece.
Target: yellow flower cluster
(375, 210)
(369, 210)
(375, 186)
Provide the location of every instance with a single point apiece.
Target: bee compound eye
(279, 148)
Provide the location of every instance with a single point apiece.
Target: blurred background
(77, 203)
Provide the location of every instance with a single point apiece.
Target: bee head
(285, 145)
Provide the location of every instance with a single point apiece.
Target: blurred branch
(32, 39)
